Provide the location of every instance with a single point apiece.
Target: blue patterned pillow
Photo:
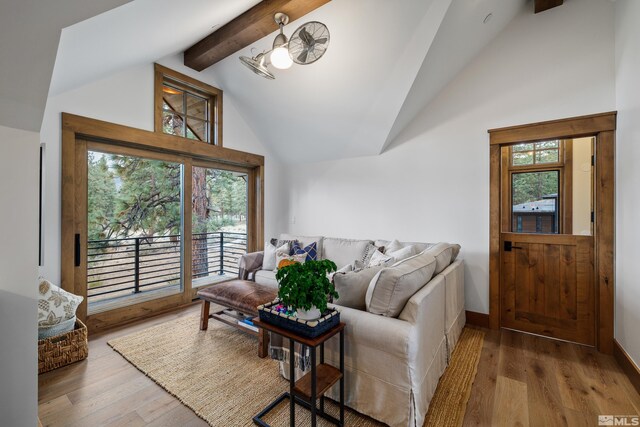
(311, 250)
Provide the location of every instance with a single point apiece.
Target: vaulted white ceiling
(140, 32)
(345, 104)
(387, 60)
(29, 34)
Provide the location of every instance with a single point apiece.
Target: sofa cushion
(344, 251)
(305, 241)
(352, 287)
(391, 287)
(444, 254)
(267, 278)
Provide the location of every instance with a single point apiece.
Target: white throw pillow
(269, 258)
(55, 305)
(395, 245)
(378, 258)
(404, 253)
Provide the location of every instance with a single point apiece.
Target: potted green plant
(305, 287)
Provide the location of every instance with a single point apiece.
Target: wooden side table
(313, 385)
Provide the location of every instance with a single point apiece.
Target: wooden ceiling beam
(244, 30)
(542, 5)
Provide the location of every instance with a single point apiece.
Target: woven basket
(63, 349)
(306, 328)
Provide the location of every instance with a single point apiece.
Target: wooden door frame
(76, 131)
(603, 128)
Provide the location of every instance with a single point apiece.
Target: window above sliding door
(186, 107)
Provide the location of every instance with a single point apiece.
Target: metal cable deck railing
(118, 267)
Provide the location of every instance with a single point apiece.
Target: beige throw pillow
(352, 287)
(443, 253)
(391, 287)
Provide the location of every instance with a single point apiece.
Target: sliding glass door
(134, 228)
(136, 205)
(148, 218)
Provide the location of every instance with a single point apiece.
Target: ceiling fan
(308, 43)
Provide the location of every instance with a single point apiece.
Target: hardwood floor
(522, 380)
(525, 380)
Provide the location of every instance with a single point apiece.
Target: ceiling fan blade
(303, 56)
(306, 37)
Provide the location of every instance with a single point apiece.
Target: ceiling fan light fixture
(307, 44)
(280, 58)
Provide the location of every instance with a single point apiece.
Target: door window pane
(535, 202)
(523, 158)
(219, 221)
(535, 153)
(134, 229)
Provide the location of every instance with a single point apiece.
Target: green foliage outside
(101, 197)
(130, 196)
(225, 198)
(305, 285)
(531, 186)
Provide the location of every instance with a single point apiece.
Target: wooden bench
(237, 296)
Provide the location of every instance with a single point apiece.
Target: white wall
(627, 39)
(127, 99)
(433, 183)
(18, 276)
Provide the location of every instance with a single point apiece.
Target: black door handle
(76, 254)
(508, 246)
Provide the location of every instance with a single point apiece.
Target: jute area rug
(218, 375)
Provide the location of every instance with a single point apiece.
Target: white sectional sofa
(393, 364)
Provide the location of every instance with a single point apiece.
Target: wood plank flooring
(522, 380)
(525, 380)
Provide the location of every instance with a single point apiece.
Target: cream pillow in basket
(55, 305)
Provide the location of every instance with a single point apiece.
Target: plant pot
(311, 314)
